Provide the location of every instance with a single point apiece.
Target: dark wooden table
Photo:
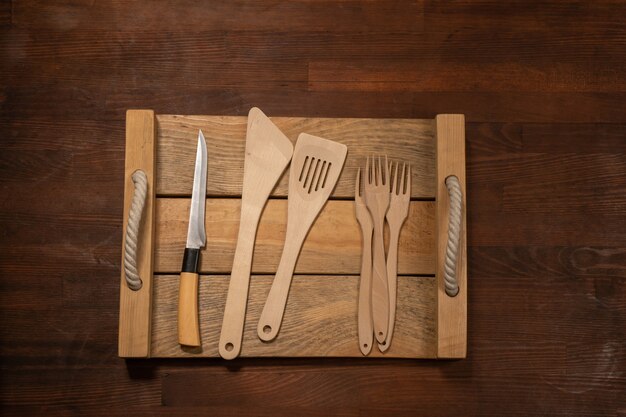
(543, 87)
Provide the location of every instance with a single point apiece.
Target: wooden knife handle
(188, 326)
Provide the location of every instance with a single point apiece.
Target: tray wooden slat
(407, 140)
(320, 318)
(333, 245)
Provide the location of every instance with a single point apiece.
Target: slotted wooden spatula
(315, 169)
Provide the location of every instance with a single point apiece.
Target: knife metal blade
(196, 234)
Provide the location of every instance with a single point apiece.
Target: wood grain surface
(319, 319)
(326, 250)
(406, 140)
(541, 85)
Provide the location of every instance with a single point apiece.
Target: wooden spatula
(315, 169)
(268, 152)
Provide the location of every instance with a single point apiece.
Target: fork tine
(402, 178)
(394, 177)
(376, 180)
(379, 172)
(386, 171)
(408, 181)
(367, 171)
(373, 170)
(391, 180)
(357, 186)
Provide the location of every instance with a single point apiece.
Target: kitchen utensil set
(316, 169)
(386, 197)
(382, 192)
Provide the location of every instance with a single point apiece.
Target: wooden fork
(396, 215)
(377, 201)
(366, 329)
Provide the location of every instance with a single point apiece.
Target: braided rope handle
(454, 235)
(140, 180)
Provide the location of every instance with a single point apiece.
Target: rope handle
(140, 180)
(454, 235)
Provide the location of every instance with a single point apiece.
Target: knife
(188, 328)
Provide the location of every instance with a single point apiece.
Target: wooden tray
(321, 315)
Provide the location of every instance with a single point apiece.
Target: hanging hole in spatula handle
(229, 348)
(267, 330)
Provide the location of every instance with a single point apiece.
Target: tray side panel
(135, 306)
(320, 319)
(451, 311)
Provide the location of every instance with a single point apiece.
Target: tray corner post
(451, 311)
(136, 306)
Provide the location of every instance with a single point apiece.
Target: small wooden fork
(377, 201)
(396, 215)
(366, 327)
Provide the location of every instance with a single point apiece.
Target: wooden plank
(451, 311)
(320, 319)
(268, 16)
(6, 14)
(462, 75)
(26, 99)
(405, 140)
(135, 306)
(328, 249)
